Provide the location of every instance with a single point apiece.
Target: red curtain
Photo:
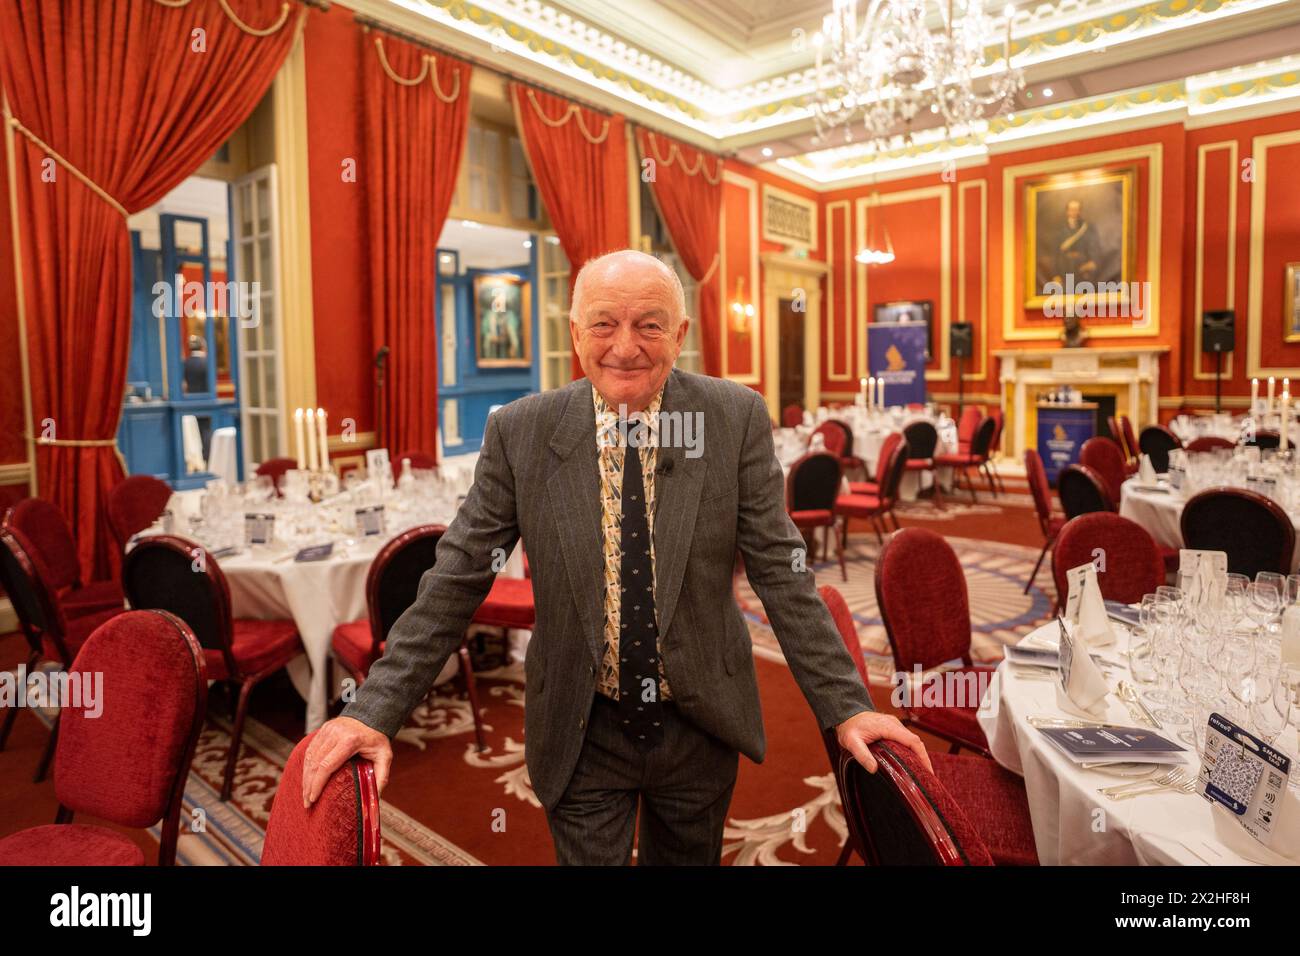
(687, 189)
(579, 162)
(134, 96)
(417, 111)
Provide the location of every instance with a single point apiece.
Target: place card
(1245, 776)
(258, 528)
(1082, 690)
(316, 552)
(377, 462)
(370, 520)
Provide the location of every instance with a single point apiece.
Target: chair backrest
(983, 438)
(813, 483)
(1039, 487)
(394, 577)
(1254, 530)
(1130, 442)
(843, 619)
(921, 594)
(50, 538)
(902, 815)
(1131, 564)
(419, 459)
(134, 504)
(1210, 443)
(177, 575)
(996, 444)
(38, 612)
(1106, 458)
(895, 470)
(892, 441)
(1267, 438)
(274, 468)
(1157, 442)
(791, 416)
(340, 829)
(832, 435)
(847, 450)
(922, 439)
(966, 425)
(125, 755)
(1117, 434)
(1082, 491)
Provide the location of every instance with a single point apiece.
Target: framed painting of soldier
(1080, 237)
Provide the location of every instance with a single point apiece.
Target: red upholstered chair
(50, 634)
(832, 435)
(1210, 443)
(1130, 443)
(274, 468)
(1049, 521)
(811, 488)
(791, 416)
(874, 507)
(340, 829)
(1253, 529)
(843, 619)
(128, 763)
(921, 593)
(1117, 435)
(977, 457)
(50, 541)
(176, 575)
(1106, 458)
(892, 441)
(970, 420)
(1157, 442)
(969, 812)
(134, 504)
(848, 460)
(1269, 439)
(1133, 565)
(1082, 491)
(923, 440)
(419, 459)
(995, 447)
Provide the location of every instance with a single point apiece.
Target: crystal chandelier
(892, 68)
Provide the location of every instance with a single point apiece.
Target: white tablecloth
(1161, 513)
(1073, 823)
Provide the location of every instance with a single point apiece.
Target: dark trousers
(682, 788)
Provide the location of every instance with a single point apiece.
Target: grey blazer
(537, 476)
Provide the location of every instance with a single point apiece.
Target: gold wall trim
(1198, 298)
(1011, 290)
(943, 193)
(16, 473)
(984, 271)
(831, 374)
(1260, 146)
(298, 343)
(20, 296)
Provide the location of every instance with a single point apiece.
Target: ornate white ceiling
(735, 75)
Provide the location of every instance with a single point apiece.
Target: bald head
(626, 269)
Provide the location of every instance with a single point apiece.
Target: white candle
(301, 438)
(1286, 415)
(324, 440)
(311, 439)
(1270, 395)
(1254, 394)
(863, 390)
(869, 386)
(880, 384)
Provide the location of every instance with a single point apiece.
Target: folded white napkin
(1085, 608)
(1082, 690)
(1146, 471)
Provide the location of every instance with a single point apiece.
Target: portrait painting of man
(1079, 236)
(502, 321)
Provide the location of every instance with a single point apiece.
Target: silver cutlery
(1188, 786)
(1176, 778)
(1128, 693)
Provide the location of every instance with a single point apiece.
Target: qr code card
(1244, 775)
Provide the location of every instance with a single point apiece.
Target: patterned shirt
(610, 456)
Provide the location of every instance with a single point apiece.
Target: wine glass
(1236, 665)
(1264, 602)
(1202, 685)
(1270, 710)
(1168, 660)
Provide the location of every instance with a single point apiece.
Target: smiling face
(628, 322)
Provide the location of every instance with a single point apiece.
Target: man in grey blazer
(640, 691)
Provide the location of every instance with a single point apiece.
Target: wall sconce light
(875, 252)
(742, 312)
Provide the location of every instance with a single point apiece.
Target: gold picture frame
(503, 321)
(1098, 248)
(1291, 301)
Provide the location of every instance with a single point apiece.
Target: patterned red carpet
(449, 804)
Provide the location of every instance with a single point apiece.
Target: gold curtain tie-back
(675, 151)
(713, 267)
(65, 163)
(427, 69)
(234, 18)
(572, 111)
(77, 442)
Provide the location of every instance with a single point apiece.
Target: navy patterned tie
(640, 708)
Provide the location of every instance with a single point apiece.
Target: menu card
(1113, 745)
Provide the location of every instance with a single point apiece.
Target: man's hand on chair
(335, 743)
(866, 728)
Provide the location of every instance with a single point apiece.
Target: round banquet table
(1161, 513)
(1073, 823)
(266, 583)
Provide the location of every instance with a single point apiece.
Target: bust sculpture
(1072, 332)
